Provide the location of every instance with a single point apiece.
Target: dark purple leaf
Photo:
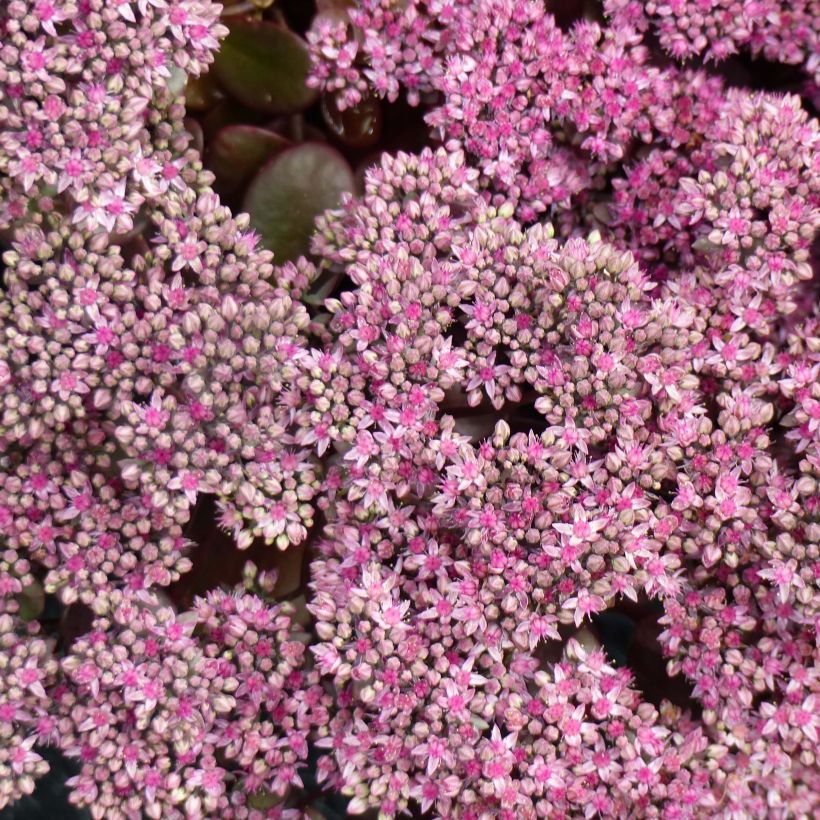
(265, 67)
(238, 152)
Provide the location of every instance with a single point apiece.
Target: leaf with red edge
(237, 152)
(291, 191)
(265, 66)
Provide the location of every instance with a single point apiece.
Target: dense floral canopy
(558, 362)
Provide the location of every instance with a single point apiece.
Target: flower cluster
(545, 114)
(563, 364)
(753, 208)
(79, 78)
(137, 706)
(64, 506)
(500, 734)
(260, 651)
(28, 668)
(130, 296)
(783, 31)
(224, 349)
(188, 715)
(142, 325)
(381, 46)
(541, 119)
(447, 564)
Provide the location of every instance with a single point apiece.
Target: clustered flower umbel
(139, 327)
(449, 566)
(167, 331)
(553, 118)
(507, 426)
(29, 671)
(783, 31)
(190, 715)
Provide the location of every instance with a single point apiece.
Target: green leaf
(237, 152)
(291, 191)
(265, 67)
(32, 601)
(263, 800)
(705, 245)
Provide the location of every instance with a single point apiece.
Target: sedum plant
(553, 363)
